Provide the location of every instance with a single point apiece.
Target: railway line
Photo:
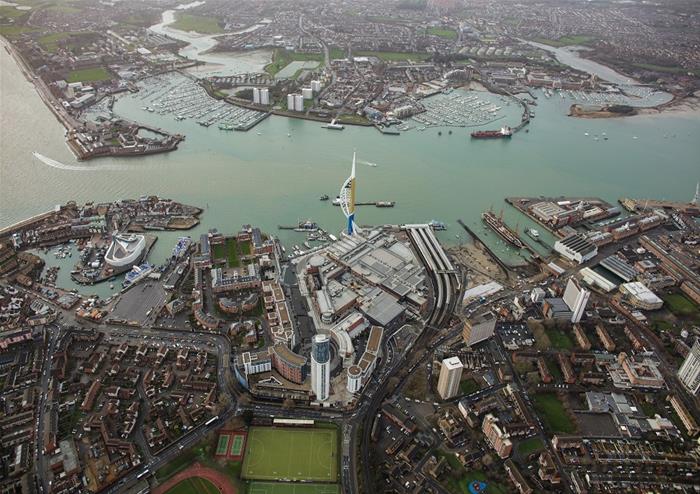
(443, 275)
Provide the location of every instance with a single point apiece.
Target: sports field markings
(237, 445)
(222, 446)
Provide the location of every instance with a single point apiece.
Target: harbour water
(275, 173)
(199, 46)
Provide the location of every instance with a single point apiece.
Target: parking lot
(137, 303)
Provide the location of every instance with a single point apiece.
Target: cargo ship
(492, 134)
(496, 223)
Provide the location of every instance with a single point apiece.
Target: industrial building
(638, 295)
(576, 248)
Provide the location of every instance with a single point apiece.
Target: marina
(208, 170)
(461, 109)
(183, 98)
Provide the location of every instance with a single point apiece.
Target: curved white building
(125, 250)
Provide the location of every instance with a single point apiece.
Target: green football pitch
(291, 454)
(288, 488)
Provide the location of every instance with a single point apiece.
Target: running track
(214, 476)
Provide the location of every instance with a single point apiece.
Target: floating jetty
(378, 204)
(387, 131)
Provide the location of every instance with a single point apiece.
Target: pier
(636, 205)
(385, 131)
(506, 269)
(378, 204)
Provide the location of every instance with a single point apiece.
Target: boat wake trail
(62, 166)
(367, 163)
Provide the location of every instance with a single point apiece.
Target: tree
(248, 416)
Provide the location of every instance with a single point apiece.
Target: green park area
(468, 386)
(529, 446)
(194, 484)
(49, 42)
(295, 454)
(231, 250)
(197, 23)
(281, 58)
(565, 41)
(92, 74)
(11, 31)
(457, 482)
(442, 32)
(552, 411)
(394, 56)
(290, 488)
(681, 306)
(559, 339)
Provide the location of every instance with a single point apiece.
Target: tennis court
(274, 453)
(222, 445)
(237, 445)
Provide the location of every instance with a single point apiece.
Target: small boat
(437, 225)
(533, 233)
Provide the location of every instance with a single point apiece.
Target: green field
(232, 252)
(222, 445)
(559, 339)
(468, 386)
(237, 445)
(11, 31)
(288, 488)
(442, 32)
(679, 305)
(197, 23)
(281, 58)
(88, 75)
(295, 454)
(553, 413)
(194, 484)
(393, 56)
(458, 482)
(529, 446)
